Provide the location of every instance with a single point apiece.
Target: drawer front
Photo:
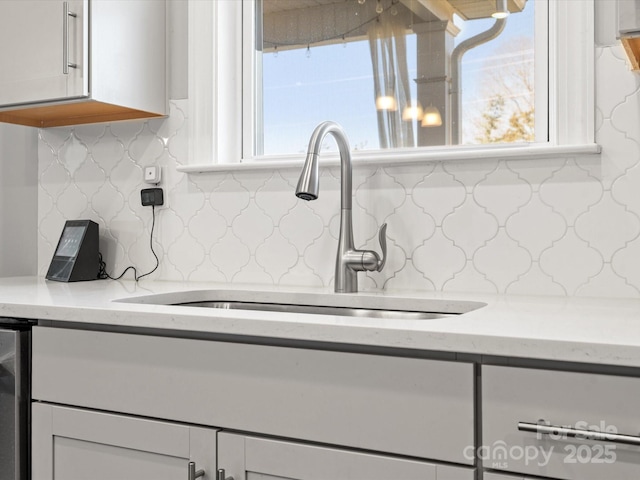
(415, 407)
(579, 401)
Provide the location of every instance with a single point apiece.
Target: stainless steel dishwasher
(15, 398)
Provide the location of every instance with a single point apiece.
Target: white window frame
(221, 99)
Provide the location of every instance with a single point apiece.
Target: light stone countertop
(599, 331)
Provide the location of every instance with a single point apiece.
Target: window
(257, 119)
(384, 70)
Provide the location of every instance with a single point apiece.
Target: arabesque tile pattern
(565, 226)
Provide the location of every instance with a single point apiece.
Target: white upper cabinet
(82, 61)
(36, 38)
(629, 30)
(628, 17)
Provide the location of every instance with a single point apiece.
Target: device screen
(70, 242)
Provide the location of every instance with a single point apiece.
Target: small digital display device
(76, 256)
(69, 244)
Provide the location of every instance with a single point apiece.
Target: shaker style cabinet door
(253, 458)
(71, 444)
(39, 39)
(501, 476)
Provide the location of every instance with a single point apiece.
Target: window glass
(498, 82)
(384, 70)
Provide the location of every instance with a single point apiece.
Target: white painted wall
(563, 226)
(18, 200)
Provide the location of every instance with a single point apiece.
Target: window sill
(405, 157)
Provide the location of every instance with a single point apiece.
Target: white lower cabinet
(253, 458)
(337, 415)
(551, 423)
(74, 444)
(502, 476)
(401, 406)
(265, 412)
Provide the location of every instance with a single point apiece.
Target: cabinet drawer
(576, 401)
(417, 407)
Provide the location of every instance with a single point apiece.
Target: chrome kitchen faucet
(349, 261)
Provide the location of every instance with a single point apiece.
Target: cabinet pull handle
(65, 38)
(578, 433)
(221, 475)
(192, 471)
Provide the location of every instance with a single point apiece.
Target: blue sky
(305, 87)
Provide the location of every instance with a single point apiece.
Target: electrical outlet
(152, 175)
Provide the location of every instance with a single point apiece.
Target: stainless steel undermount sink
(319, 310)
(356, 305)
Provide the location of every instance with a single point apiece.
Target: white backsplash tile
(565, 226)
(571, 190)
(626, 263)
(396, 262)
(502, 260)
(470, 280)
(536, 226)
(230, 198)
(607, 284)
(470, 226)
(409, 279)
(571, 262)
(607, 226)
(320, 256)
(230, 255)
(500, 184)
(614, 80)
(379, 195)
(438, 194)
(301, 226)
(274, 197)
(536, 282)
(439, 259)
(409, 225)
(277, 255)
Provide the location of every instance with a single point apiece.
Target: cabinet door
(501, 476)
(34, 44)
(72, 444)
(254, 458)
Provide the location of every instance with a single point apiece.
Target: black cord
(102, 272)
(153, 225)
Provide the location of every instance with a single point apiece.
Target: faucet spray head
(306, 196)
(308, 184)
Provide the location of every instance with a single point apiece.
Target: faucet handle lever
(382, 237)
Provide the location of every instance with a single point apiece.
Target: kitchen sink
(347, 305)
(319, 310)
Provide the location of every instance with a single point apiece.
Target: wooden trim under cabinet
(632, 49)
(87, 111)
